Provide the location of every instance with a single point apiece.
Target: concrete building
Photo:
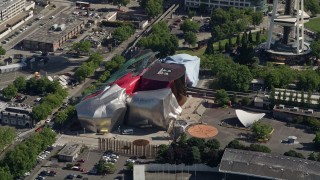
(17, 116)
(53, 35)
(287, 113)
(259, 5)
(70, 152)
(10, 8)
(267, 165)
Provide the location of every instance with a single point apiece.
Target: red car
(82, 161)
(84, 170)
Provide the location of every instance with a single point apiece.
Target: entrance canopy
(247, 119)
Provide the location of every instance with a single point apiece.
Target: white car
(27, 174)
(114, 156)
(48, 120)
(130, 161)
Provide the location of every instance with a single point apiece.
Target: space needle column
(271, 23)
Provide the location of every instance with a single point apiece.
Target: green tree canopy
(160, 40)
(190, 38)
(293, 153)
(312, 6)
(2, 51)
(20, 83)
(260, 130)
(189, 25)
(9, 92)
(82, 46)
(122, 33)
(257, 18)
(222, 97)
(153, 8)
(315, 48)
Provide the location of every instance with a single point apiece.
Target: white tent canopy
(247, 119)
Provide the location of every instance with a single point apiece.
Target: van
(127, 131)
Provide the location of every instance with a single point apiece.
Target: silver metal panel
(104, 111)
(157, 107)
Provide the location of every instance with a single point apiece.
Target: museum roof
(165, 72)
(266, 165)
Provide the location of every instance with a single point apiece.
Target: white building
(259, 5)
(10, 8)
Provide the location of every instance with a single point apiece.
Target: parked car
(81, 160)
(71, 176)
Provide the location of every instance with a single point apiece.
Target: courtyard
(214, 116)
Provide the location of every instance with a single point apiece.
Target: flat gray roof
(299, 111)
(70, 149)
(46, 35)
(270, 166)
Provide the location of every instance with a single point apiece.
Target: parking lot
(213, 116)
(90, 157)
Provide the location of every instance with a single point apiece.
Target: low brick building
(52, 35)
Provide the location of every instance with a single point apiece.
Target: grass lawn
(200, 51)
(313, 24)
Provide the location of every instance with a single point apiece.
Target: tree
(196, 155)
(309, 98)
(235, 144)
(61, 117)
(238, 40)
(257, 18)
(122, 33)
(279, 97)
(162, 154)
(121, 2)
(316, 140)
(5, 173)
(189, 25)
(190, 38)
(293, 153)
(261, 131)
(220, 47)
(7, 136)
(196, 142)
(9, 92)
(258, 38)
(272, 95)
(226, 46)
(2, 51)
(259, 148)
(191, 14)
(153, 8)
(244, 39)
(129, 166)
(20, 83)
(315, 48)
(101, 167)
(209, 49)
(313, 156)
(110, 168)
(250, 39)
(212, 144)
(312, 6)
(160, 40)
(230, 42)
(296, 99)
(284, 96)
(222, 97)
(235, 99)
(291, 98)
(40, 112)
(245, 101)
(82, 46)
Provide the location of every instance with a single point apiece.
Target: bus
(82, 5)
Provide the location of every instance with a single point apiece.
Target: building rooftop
(165, 72)
(297, 111)
(45, 33)
(6, 3)
(270, 166)
(70, 149)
